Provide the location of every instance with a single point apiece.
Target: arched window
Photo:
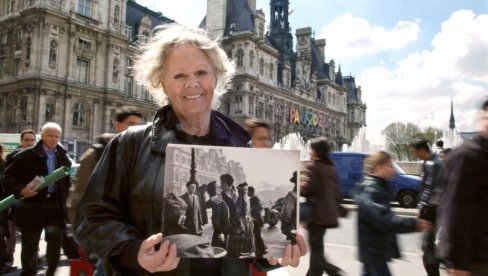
(261, 66)
(251, 59)
(79, 115)
(239, 57)
(53, 53)
(116, 14)
(271, 70)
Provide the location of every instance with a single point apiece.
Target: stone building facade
(70, 61)
(293, 90)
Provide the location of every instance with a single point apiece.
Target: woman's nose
(191, 81)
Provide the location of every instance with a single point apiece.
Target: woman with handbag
(318, 183)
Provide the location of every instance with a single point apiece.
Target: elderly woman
(122, 206)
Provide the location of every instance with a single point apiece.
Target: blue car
(405, 188)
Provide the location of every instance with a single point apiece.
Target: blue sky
(409, 56)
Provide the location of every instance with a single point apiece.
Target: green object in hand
(50, 178)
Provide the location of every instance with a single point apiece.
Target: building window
(23, 108)
(4, 38)
(82, 70)
(251, 59)
(79, 115)
(261, 66)
(128, 32)
(18, 35)
(129, 89)
(238, 105)
(3, 64)
(271, 71)
(144, 37)
(84, 44)
(116, 14)
(85, 7)
(12, 6)
(53, 53)
(16, 66)
(239, 57)
(259, 110)
(128, 62)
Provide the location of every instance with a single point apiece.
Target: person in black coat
(45, 209)
(257, 218)
(377, 225)
(463, 237)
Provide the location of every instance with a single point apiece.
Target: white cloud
(350, 36)
(188, 12)
(419, 87)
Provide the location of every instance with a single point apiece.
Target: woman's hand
(292, 253)
(154, 260)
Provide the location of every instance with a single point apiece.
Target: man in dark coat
(45, 209)
(464, 226)
(432, 189)
(193, 221)
(257, 219)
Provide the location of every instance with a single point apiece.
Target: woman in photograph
(318, 183)
(377, 225)
(121, 211)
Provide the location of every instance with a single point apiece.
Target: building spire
(452, 122)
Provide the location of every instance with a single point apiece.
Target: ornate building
(70, 61)
(293, 90)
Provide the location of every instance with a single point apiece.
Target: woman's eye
(201, 72)
(178, 76)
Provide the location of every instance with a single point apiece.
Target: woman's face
(189, 80)
(261, 138)
(385, 171)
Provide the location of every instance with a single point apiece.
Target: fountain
(294, 141)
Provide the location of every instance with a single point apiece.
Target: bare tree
(398, 138)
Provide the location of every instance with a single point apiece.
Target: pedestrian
(247, 241)
(125, 117)
(27, 140)
(193, 218)
(464, 216)
(260, 132)
(377, 225)
(444, 152)
(432, 189)
(5, 265)
(258, 221)
(122, 205)
(318, 183)
(44, 209)
(288, 216)
(439, 146)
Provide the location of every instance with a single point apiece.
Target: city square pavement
(338, 251)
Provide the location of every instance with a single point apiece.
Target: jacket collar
(223, 131)
(39, 150)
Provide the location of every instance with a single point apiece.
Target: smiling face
(189, 81)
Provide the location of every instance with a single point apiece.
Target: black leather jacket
(122, 204)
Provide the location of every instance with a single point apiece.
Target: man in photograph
(220, 215)
(193, 221)
(257, 218)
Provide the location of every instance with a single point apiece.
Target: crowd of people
(117, 211)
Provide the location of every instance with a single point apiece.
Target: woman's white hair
(150, 63)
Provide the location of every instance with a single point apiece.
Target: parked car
(405, 188)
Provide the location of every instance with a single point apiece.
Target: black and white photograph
(230, 202)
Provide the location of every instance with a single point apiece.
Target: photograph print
(230, 202)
